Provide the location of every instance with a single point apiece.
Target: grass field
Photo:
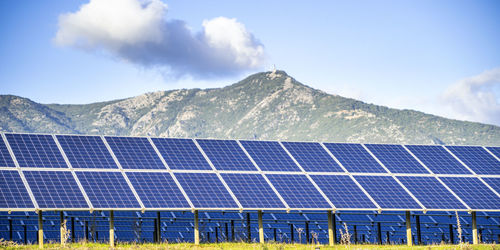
(270, 246)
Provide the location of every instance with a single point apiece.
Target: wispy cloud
(138, 32)
(475, 98)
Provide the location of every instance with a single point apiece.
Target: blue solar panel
(134, 153)
(387, 192)
(342, 191)
(431, 193)
(437, 159)
(355, 158)
(107, 190)
(86, 151)
(13, 193)
(473, 192)
(252, 191)
(312, 157)
(226, 155)
(205, 190)
(55, 189)
(476, 158)
(396, 159)
(270, 156)
(298, 191)
(495, 151)
(181, 154)
(5, 159)
(494, 183)
(38, 151)
(157, 190)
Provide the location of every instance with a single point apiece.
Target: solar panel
(5, 159)
(270, 156)
(476, 158)
(342, 191)
(355, 158)
(312, 157)
(495, 151)
(38, 151)
(55, 189)
(473, 192)
(107, 190)
(431, 193)
(157, 190)
(298, 191)
(437, 159)
(181, 154)
(13, 193)
(387, 192)
(396, 159)
(252, 191)
(226, 155)
(494, 183)
(134, 153)
(206, 190)
(86, 151)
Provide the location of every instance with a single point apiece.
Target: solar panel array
(134, 173)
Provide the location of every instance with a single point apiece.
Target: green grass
(277, 246)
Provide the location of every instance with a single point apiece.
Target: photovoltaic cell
(495, 151)
(13, 193)
(473, 192)
(157, 190)
(107, 190)
(181, 154)
(494, 183)
(396, 159)
(312, 157)
(342, 191)
(270, 156)
(437, 159)
(226, 155)
(355, 158)
(476, 158)
(5, 159)
(55, 189)
(86, 151)
(134, 153)
(298, 191)
(252, 191)
(387, 192)
(206, 190)
(36, 151)
(431, 193)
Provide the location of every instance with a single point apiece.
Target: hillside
(268, 105)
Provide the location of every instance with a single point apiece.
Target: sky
(439, 57)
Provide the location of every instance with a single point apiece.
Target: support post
(227, 232)
(261, 227)
(291, 233)
(331, 236)
(408, 229)
(111, 228)
(355, 235)
(196, 229)
(216, 235)
(86, 231)
(307, 232)
(232, 231)
(379, 233)
(40, 229)
(275, 235)
(155, 227)
(73, 229)
(475, 240)
(334, 222)
(25, 234)
(452, 236)
(249, 231)
(158, 227)
(388, 240)
(10, 230)
(419, 233)
(61, 227)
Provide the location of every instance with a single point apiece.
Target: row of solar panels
(121, 185)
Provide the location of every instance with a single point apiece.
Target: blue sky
(440, 57)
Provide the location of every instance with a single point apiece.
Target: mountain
(268, 105)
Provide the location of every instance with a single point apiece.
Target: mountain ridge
(266, 106)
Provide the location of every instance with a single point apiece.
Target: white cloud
(475, 98)
(137, 31)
